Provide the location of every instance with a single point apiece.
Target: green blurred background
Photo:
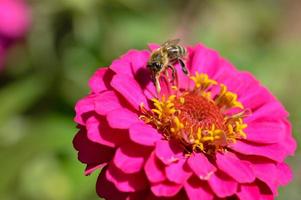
(47, 72)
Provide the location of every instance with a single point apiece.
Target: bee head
(154, 66)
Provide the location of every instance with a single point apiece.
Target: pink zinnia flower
(14, 18)
(218, 135)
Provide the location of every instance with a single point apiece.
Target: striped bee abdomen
(175, 52)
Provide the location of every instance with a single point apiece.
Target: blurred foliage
(47, 72)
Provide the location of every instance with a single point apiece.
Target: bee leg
(183, 66)
(173, 72)
(167, 75)
(157, 84)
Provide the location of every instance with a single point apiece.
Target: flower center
(200, 121)
(199, 111)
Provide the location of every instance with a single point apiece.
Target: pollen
(198, 120)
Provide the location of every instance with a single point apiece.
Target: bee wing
(171, 42)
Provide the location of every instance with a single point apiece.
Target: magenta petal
(82, 107)
(100, 80)
(272, 151)
(144, 134)
(122, 66)
(166, 189)
(122, 118)
(227, 74)
(289, 143)
(267, 197)
(243, 84)
(126, 182)
(92, 167)
(154, 169)
(204, 60)
(198, 190)
(249, 192)
(106, 102)
(153, 46)
(266, 132)
(239, 170)
(256, 98)
(179, 196)
(99, 131)
(260, 168)
(138, 60)
(131, 63)
(178, 172)
(284, 174)
(106, 189)
(222, 185)
(129, 158)
(168, 151)
(269, 111)
(130, 90)
(201, 166)
(90, 152)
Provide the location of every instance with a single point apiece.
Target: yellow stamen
(202, 81)
(227, 99)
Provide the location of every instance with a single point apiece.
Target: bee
(163, 58)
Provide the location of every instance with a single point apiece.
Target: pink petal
(201, 166)
(266, 132)
(239, 170)
(106, 102)
(107, 190)
(168, 151)
(98, 131)
(289, 143)
(154, 169)
(142, 75)
(133, 64)
(100, 80)
(138, 60)
(150, 89)
(180, 195)
(122, 118)
(90, 152)
(256, 95)
(178, 172)
(153, 46)
(204, 60)
(122, 66)
(261, 166)
(265, 191)
(138, 195)
(267, 197)
(165, 189)
(144, 134)
(129, 158)
(82, 107)
(269, 111)
(126, 182)
(272, 151)
(284, 174)
(130, 90)
(197, 189)
(222, 185)
(243, 83)
(92, 167)
(227, 74)
(249, 192)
